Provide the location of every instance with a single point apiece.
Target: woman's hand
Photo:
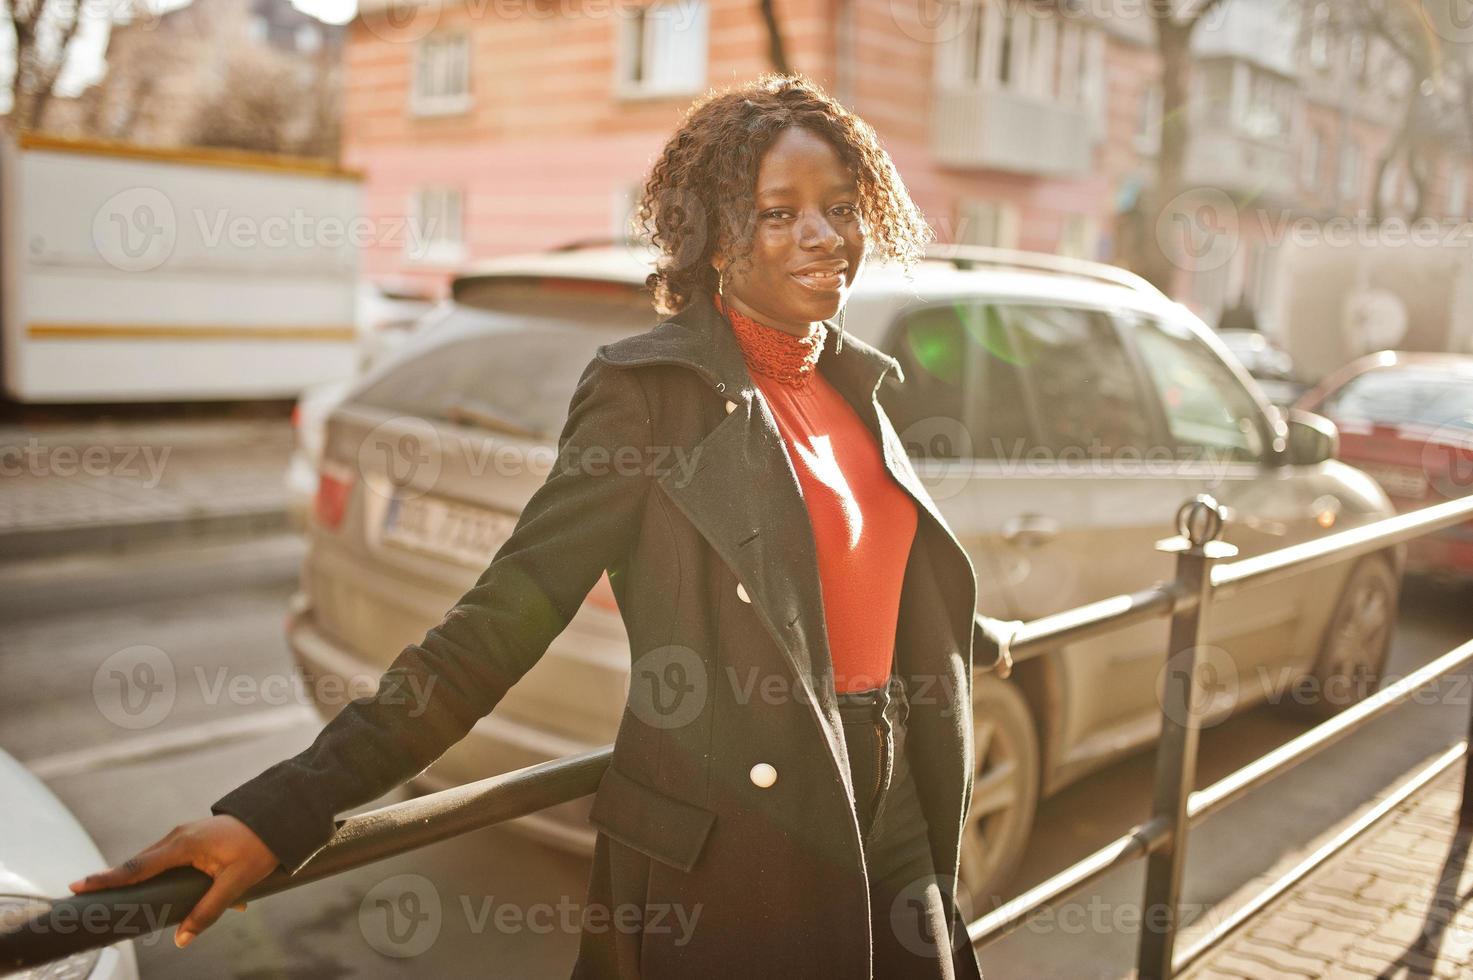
(220, 846)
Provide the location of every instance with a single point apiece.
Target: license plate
(458, 532)
(1400, 481)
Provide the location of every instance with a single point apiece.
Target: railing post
(1465, 812)
(1199, 523)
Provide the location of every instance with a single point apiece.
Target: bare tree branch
(776, 50)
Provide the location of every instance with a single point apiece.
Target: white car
(1059, 412)
(42, 849)
(1267, 362)
(388, 313)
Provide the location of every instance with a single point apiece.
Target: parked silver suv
(1059, 411)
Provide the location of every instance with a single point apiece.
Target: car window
(1397, 397)
(1206, 407)
(1079, 377)
(952, 404)
(522, 378)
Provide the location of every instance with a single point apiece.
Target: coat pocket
(649, 821)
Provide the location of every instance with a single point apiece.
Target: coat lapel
(744, 496)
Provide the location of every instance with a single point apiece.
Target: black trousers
(910, 930)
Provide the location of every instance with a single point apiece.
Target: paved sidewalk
(73, 486)
(1392, 903)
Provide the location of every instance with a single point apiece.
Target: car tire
(1004, 792)
(1356, 642)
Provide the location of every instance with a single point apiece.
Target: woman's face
(808, 239)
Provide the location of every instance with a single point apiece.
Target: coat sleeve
(581, 520)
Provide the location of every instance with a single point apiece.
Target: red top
(863, 520)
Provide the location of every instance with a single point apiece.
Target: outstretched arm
(580, 521)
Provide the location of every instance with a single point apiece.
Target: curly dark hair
(700, 193)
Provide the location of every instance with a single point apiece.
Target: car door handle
(1029, 530)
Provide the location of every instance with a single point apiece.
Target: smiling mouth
(820, 281)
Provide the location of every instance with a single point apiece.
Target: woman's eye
(849, 210)
(775, 214)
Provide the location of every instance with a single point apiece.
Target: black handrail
(111, 915)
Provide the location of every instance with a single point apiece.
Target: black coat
(671, 473)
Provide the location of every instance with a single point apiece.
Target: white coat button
(742, 593)
(730, 407)
(763, 775)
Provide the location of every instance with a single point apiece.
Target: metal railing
(114, 914)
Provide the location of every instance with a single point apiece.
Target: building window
(1349, 178)
(1148, 119)
(1314, 148)
(1070, 36)
(1413, 175)
(1264, 113)
(1044, 50)
(1092, 79)
(442, 75)
(1319, 35)
(437, 229)
(968, 48)
(1457, 193)
(1008, 46)
(1386, 192)
(1007, 51)
(993, 223)
(1079, 236)
(1356, 57)
(308, 38)
(662, 50)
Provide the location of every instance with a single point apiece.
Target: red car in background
(1406, 419)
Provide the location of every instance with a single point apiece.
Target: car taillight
(1449, 467)
(334, 484)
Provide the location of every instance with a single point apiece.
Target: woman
(793, 765)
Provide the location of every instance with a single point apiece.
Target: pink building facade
(487, 127)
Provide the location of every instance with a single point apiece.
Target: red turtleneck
(863, 521)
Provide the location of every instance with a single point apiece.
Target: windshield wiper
(483, 416)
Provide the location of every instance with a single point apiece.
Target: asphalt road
(209, 620)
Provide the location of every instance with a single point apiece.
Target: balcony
(1240, 164)
(999, 129)
(1251, 30)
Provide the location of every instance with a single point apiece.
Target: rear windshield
(517, 379)
(1404, 397)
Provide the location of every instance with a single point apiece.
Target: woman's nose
(818, 233)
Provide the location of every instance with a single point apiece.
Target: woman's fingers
(222, 894)
(144, 864)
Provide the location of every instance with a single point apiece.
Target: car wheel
(1004, 790)
(1356, 641)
